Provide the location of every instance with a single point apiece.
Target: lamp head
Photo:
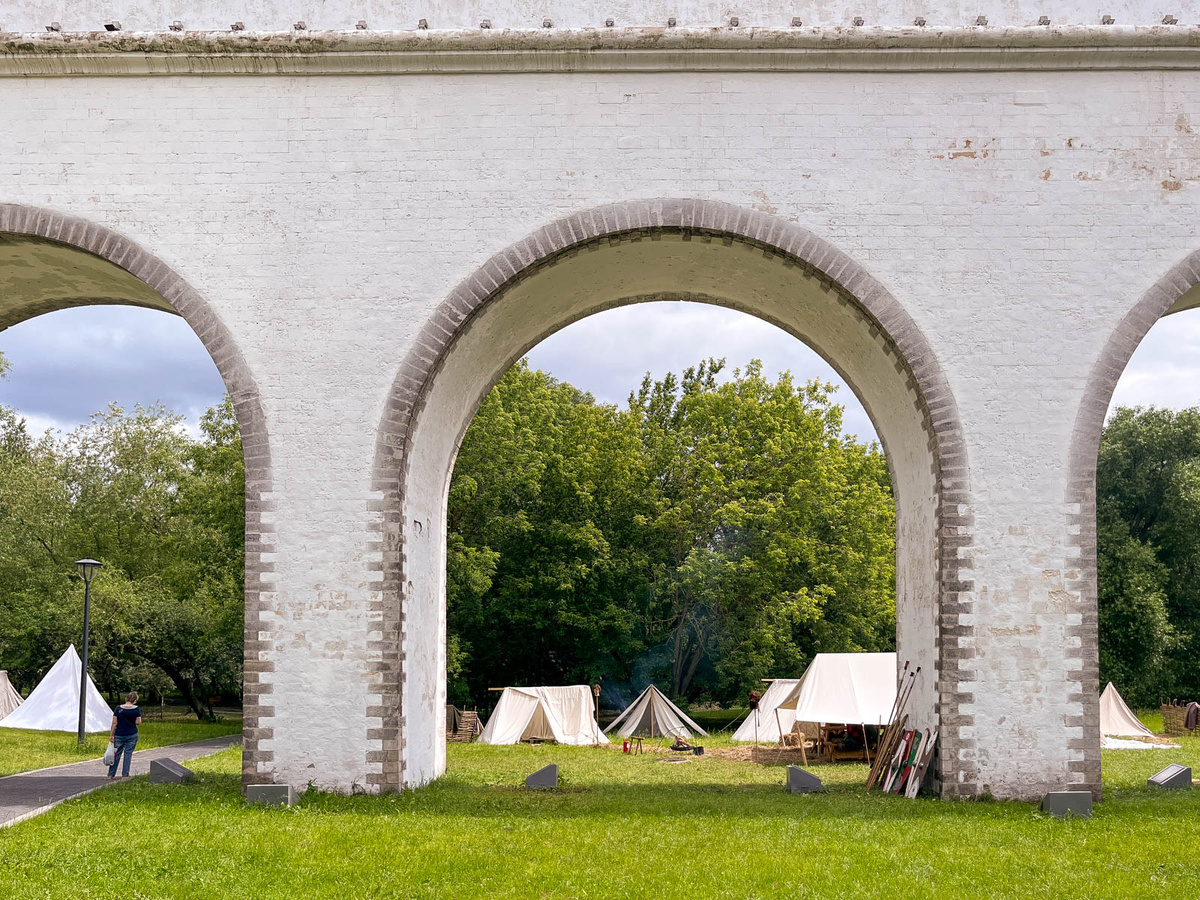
(87, 569)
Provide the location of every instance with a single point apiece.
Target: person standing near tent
(124, 734)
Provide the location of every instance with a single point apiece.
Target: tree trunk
(201, 708)
(190, 698)
(697, 655)
(677, 659)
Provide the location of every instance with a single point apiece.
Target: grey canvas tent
(9, 698)
(653, 715)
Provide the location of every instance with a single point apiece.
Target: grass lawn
(21, 751)
(620, 826)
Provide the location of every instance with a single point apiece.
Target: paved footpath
(29, 794)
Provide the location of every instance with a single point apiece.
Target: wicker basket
(1173, 714)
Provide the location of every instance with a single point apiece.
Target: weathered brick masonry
(975, 224)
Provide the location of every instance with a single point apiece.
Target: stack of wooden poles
(903, 755)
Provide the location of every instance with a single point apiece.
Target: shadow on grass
(507, 802)
(694, 792)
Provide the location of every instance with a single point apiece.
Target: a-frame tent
(845, 689)
(1117, 719)
(54, 704)
(557, 713)
(9, 698)
(652, 714)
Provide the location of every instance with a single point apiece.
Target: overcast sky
(70, 364)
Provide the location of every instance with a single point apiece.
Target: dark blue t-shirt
(127, 720)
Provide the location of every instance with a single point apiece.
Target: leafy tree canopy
(163, 512)
(1148, 549)
(713, 532)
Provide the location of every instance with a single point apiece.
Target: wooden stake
(888, 743)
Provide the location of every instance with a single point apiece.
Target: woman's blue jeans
(124, 744)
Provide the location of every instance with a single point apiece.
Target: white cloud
(70, 364)
(608, 353)
(36, 425)
(1165, 368)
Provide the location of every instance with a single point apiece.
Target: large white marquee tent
(841, 688)
(563, 714)
(652, 714)
(54, 704)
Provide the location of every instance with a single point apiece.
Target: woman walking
(124, 734)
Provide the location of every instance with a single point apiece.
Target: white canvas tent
(845, 688)
(768, 724)
(9, 698)
(653, 715)
(1118, 720)
(54, 704)
(563, 714)
(839, 688)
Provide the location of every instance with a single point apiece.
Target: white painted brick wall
(1016, 216)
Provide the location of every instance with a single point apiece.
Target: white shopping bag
(110, 755)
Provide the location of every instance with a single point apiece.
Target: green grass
(620, 826)
(21, 751)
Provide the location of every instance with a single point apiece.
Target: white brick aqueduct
(973, 210)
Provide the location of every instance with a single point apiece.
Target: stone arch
(509, 305)
(1176, 291)
(64, 261)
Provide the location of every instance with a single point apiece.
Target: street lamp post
(87, 570)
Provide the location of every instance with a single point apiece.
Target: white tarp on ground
(54, 704)
(1118, 719)
(1112, 743)
(764, 717)
(563, 714)
(845, 688)
(9, 698)
(653, 715)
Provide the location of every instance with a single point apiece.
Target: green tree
(775, 532)
(711, 533)
(1148, 513)
(163, 513)
(544, 479)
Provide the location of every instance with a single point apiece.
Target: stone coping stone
(271, 794)
(1172, 778)
(545, 779)
(1061, 804)
(167, 771)
(801, 782)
